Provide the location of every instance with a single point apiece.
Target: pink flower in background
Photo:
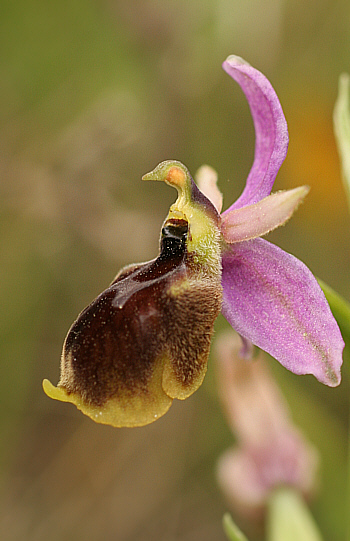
(270, 451)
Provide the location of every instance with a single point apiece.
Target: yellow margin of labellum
(129, 411)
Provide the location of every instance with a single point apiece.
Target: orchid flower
(145, 340)
(270, 297)
(270, 451)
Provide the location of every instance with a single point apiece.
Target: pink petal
(255, 408)
(256, 220)
(270, 128)
(272, 299)
(206, 179)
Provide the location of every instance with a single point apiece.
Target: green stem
(341, 120)
(340, 308)
(347, 501)
(341, 312)
(289, 518)
(231, 530)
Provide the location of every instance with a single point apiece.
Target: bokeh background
(93, 94)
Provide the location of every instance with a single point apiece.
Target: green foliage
(232, 531)
(290, 519)
(341, 118)
(341, 311)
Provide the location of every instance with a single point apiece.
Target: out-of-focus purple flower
(269, 296)
(270, 450)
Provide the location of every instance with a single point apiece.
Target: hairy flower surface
(145, 340)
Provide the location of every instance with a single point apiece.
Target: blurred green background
(93, 94)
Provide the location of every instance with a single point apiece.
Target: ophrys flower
(145, 340)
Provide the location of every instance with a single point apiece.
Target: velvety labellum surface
(144, 341)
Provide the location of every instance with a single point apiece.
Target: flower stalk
(341, 121)
(231, 530)
(289, 518)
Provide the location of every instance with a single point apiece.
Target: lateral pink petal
(259, 219)
(272, 299)
(206, 179)
(271, 131)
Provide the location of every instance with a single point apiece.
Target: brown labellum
(145, 340)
